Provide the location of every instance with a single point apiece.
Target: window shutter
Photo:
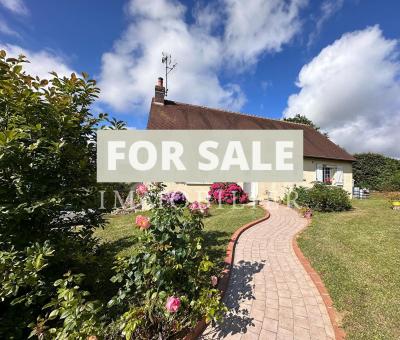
(319, 175)
(339, 175)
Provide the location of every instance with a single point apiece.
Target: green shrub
(297, 194)
(376, 172)
(169, 262)
(323, 197)
(48, 190)
(23, 285)
(320, 197)
(69, 315)
(49, 207)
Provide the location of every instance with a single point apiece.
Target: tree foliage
(376, 172)
(48, 189)
(301, 119)
(49, 207)
(47, 155)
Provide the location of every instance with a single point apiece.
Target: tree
(48, 188)
(47, 155)
(376, 171)
(115, 124)
(301, 119)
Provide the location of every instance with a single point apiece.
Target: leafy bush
(227, 193)
(69, 314)
(168, 265)
(320, 197)
(48, 189)
(376, 172)
(48, 210)
(297, 195)
(23, 285)
(47, 156)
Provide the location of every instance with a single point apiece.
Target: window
(329, 174)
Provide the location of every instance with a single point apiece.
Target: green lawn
(218, 227)
(357, 253)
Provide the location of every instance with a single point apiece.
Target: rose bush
(167, 285)
(227, 193)
(199, 208)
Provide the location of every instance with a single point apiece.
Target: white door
(251, 188)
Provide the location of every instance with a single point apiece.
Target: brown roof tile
(179, 116)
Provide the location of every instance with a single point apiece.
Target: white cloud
(351, 89)
(41, 62)
(202, 48)
(130, 70)
(6, 29)
(258, 26)
(328, 9)
(16, 6)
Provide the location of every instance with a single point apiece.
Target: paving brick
(270, 325)
(270, 291)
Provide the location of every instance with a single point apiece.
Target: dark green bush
(49, 197)
(376, 172)
(320, 197)
(51, 268)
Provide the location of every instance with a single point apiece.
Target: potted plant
(394, 198)
(306, 212)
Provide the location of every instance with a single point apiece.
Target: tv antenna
(169, 66)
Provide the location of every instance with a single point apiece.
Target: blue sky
(335, 61)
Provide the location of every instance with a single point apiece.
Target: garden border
(223, 282)
(339, 332)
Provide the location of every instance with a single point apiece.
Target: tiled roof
(179, 116)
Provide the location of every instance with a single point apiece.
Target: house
(323, 160)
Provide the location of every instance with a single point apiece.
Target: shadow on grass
(239, 293)
(99, 267)
(216, 243)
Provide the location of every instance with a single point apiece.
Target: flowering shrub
(174, 198)
(167, 285)
(142, 222)
(228, 193)
(199, 208)
(141, 190)
(173, 304)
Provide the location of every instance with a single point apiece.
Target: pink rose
(142, 222)
(141, 189)
(194, 206)
(173, 304)
(214, 280)
(197, 207)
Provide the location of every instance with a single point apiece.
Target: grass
(357, 254)
(118, 235)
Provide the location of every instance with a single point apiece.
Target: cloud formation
(41, 62)
(6, 29)
(258, 26)
(203, 48)
(351, 89)
(16, 6)
(328, 8)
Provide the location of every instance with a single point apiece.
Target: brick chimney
(159, 92)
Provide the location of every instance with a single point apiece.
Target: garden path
(270, 294)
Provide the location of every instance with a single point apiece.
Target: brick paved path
(270, 295)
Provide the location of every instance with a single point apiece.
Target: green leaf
(53, 314)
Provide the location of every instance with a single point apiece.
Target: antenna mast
(169, 66)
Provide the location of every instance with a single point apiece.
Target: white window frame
(334, 171)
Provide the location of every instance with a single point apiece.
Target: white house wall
(272, 190)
